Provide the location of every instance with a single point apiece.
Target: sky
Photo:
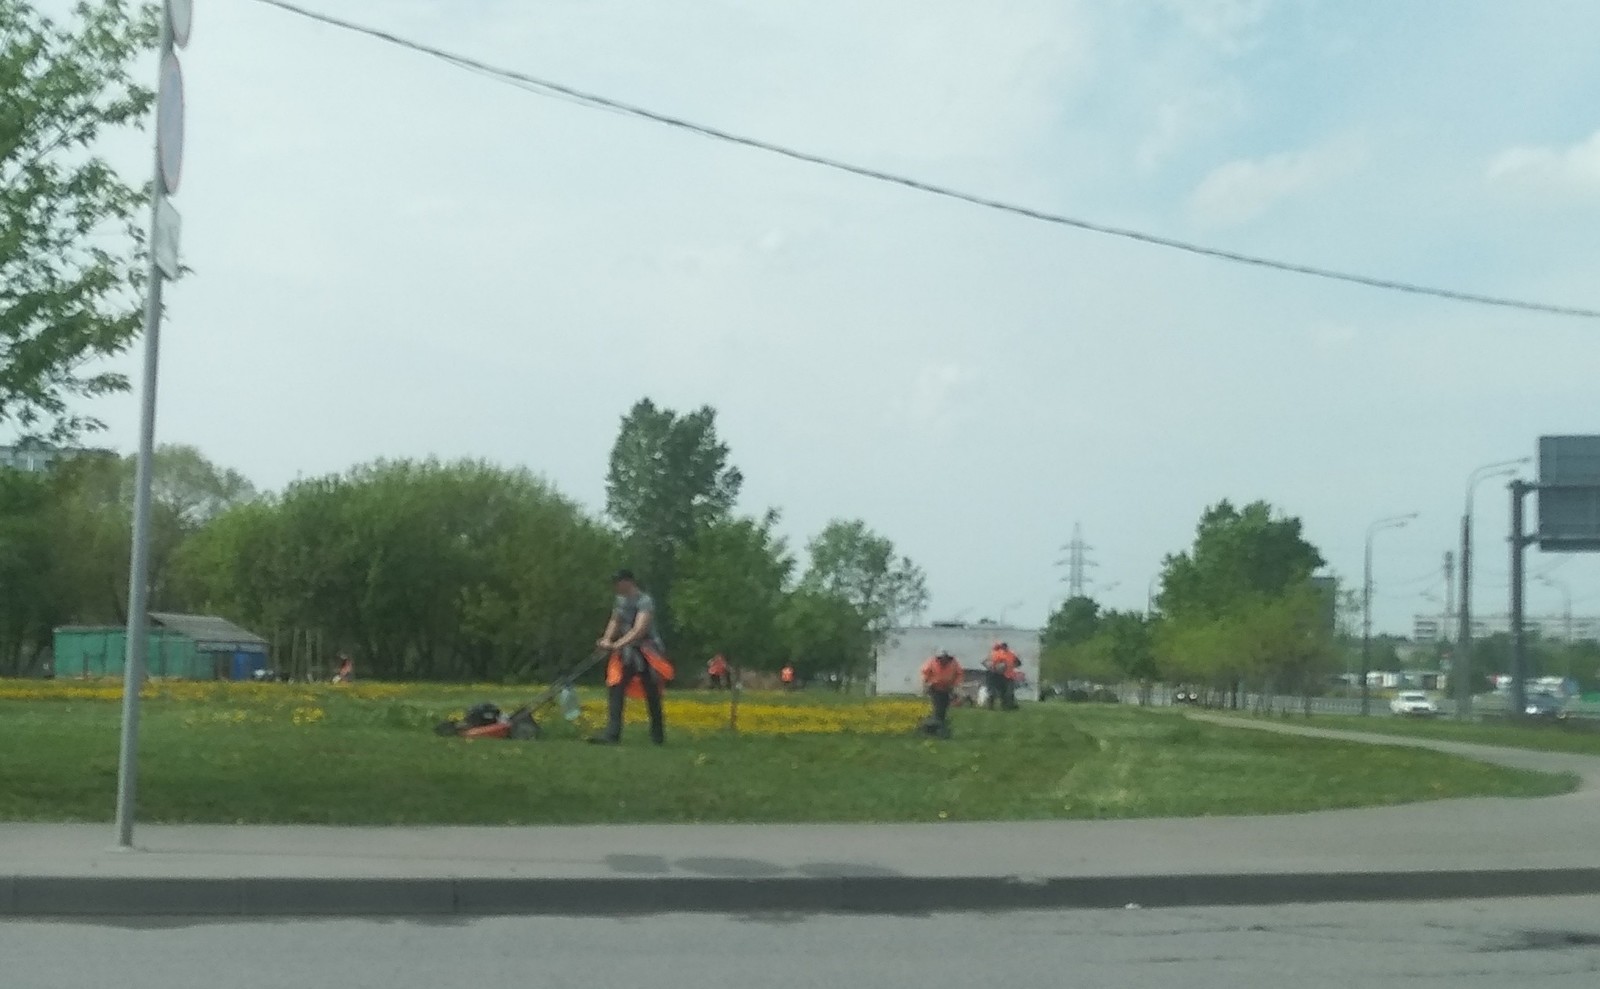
(393, 257)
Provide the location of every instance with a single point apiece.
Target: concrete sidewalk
(1430, 850)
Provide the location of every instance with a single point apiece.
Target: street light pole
(1461, 666)
(1394, 522)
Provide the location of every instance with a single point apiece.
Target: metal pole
(1464, 643)
(1519, 645)
(1461, 669)
(139, 562)
(1366, 626)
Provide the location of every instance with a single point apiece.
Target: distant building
(182, 647)
(37, 456)
(1560, 628)
(900, 659)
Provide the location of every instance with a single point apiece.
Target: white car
(1413, 703)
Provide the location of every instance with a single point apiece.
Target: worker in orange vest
(717, 670)
(1004, 669)
(638, 663)
(787, 676)
(941, 675)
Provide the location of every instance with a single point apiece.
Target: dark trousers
(652, 700)
(941, 703)
(995, 681)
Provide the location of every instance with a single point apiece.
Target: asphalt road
(1544, 943)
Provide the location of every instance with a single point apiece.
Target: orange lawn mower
(486, 720)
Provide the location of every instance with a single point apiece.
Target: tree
(187, 491)
(730, 593)
(1074, 623)
(823, 632)
(854, 564)
(669, 481)
(29, 604)
(70, 236)
(419, 570)
(1237, 555)
(1119, 646)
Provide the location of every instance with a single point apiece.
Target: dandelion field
(364, 753)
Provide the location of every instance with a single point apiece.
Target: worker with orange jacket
(1005, 668)
(638, 663)
(941, 675)
(717, 670)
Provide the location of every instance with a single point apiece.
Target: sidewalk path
(1439, 849)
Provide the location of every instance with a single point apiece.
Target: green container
(102, 651)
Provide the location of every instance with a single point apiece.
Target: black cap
(622, 575)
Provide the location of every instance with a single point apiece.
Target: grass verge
(281, 755)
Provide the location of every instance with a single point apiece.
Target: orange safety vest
(1004, 662)
(941, 676)
(663, 671)
(717, 667)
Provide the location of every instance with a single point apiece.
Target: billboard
(1569, 494)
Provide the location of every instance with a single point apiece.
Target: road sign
(1569, 494)
(180, 15)
(164, 238)
(169, 124)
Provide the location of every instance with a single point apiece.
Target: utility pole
(176, 19)
(1449, 593)
(1519, 635)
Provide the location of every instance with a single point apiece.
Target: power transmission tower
(1077, 563)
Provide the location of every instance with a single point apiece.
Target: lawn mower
(486, 720)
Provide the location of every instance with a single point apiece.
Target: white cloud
(1229, 25)
(1331, 337)
(1244, 189)
(935, 392)
(1560, 171)
(1184, 118)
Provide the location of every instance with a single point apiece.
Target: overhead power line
(550, 88)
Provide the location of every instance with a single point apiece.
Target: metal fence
(1485, 705)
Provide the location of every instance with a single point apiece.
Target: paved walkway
(1468, 847)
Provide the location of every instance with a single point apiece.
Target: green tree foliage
(1240, 606)
(420, 570)
(1237, 556)
(854, 564)
(732, 592)
(821, 632)
(1074, 623)
(669, 481)
(65, 537)
(70, 230)
(1119, 645)
(30, 588)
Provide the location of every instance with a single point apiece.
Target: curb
(49, 896)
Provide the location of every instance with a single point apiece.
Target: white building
(901, 657)
(1558, 628)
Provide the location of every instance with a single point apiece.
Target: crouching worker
(941, 675)
(638, 665)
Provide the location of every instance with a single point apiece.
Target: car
(1186, 695)
(1413, 704)
(1543, 707)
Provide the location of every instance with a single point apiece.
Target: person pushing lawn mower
(941, 675)
(638, 663)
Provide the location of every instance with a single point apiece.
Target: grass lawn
(1575, 737)
(324, 755)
